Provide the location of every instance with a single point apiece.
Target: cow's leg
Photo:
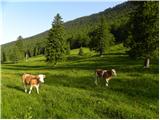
(37, 88)
(96, 80)
(30, 89)
(25, 88)
(107, 82)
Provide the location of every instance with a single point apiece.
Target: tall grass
(69, 90)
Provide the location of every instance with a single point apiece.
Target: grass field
(69, 90)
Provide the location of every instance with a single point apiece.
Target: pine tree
(19, 48)
(144, 30)
(14, 54)
(3, 57)
(17, 53)
(56, 45)
(101, 37)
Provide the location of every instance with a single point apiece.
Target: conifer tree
(18, 50)
(144, 30)
(14, 54)
(56, 45)
(3, 57)
(101, 37)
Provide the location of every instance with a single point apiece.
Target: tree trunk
(101, 53)
(147, 63)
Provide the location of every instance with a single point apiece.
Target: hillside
(69, 90)
(117, 15)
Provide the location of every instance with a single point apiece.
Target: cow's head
(114, 72)
(41, 77)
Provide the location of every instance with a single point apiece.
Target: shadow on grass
(122, 64)
(133, 88)
(119, 63)
(85, 82)
(19, 88)
(24, 67)
(6, 63)
(136, 88)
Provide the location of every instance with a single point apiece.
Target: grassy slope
(69, 90)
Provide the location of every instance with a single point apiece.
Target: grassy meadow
(69, 90)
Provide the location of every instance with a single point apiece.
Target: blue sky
(30, 18)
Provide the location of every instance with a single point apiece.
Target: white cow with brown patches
(105, 74)
(32, 81)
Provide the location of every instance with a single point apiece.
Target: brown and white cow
(105, 74)
(32, 81)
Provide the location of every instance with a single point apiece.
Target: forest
(76, 32)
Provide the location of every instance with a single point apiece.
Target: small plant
(28, 114)
(81, 53)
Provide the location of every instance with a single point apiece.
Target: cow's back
(107, 74)
(99, 72)
(26, 78)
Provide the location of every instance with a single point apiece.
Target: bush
(81, 53)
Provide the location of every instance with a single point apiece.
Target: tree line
(139, 33)
(76, 31)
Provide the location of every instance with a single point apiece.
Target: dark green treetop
(144, 30)
(101, 37)
(56, 44)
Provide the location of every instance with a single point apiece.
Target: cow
(32, 81)
(105, 74)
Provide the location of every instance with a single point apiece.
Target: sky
(28, 17)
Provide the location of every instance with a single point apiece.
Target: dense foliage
(3, 57)
(17, 53)
(81, 53)
(101, 38)
(56, 44)
(77, 30)
(144, 30)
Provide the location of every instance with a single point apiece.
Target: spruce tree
(3, 57)
(18, 50)
(101, 37)
(14, 54)
(144, 30)
(56, 45)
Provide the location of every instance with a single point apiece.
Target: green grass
(69, 90)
